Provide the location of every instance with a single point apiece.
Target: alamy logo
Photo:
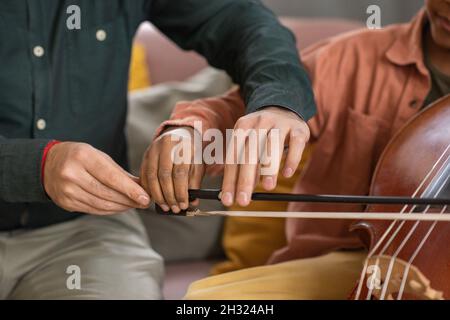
(73, 282)
(374, 20)
(73, 21)
(374, 280)
(264, 147)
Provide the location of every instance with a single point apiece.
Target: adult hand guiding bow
(272, 130)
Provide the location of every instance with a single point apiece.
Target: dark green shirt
(71, 85)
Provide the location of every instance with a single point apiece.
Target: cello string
(388, 230)
(419, 248)
(393, 259)
(400, 248)
(413, 257)
(386, 246)
(392, 238)
(406, 239)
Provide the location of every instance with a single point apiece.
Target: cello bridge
(386, 280)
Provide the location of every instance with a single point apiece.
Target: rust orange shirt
(367, 84)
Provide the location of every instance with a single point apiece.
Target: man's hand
(241, 179)
(168, 182)
(81, 178)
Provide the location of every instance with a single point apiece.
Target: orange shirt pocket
(363, 140)
(346, 153)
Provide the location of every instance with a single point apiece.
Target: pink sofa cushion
(180, 275)
(165, 60)
(169, 63)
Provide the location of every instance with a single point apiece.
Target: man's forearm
(263, 59)
(245, 39)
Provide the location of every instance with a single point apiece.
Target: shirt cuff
(44, 158)
(298, 101)
(20, 170)
(171, 123)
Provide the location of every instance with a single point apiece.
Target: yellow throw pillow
(139, 75)
(249, 242)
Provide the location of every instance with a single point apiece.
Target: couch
(168, 63)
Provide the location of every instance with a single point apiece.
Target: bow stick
(215, 195)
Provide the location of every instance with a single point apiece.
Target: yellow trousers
(329, 277)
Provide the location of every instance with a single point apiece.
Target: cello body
(410, 260)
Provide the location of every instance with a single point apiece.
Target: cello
(405, 226)
(411, 259)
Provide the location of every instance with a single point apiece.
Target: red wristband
(44, 157)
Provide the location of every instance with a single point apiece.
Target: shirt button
(101, 35)
(41, 124)
(24, 218)
(38, 51)
(414, 103)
